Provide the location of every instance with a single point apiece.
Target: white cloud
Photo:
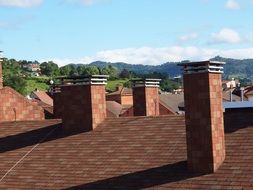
(249, 37)
(85, 2)
(232, 4)
(156, 56)
(20, 3)
(188, 37)
(226, 35)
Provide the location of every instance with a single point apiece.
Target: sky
(148, 32)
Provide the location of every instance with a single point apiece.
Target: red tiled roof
(48, 110)
(122, 153)
(43, 96)
(114, 107)
(172, 101)
(226, 96)
(248, 91)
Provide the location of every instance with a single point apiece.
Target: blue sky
(132, 31)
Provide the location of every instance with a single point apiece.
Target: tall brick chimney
(83, 102)
(1, 72)
(204, 115)
(145, 97)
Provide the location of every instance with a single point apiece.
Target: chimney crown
(202, 67)
(146, 82)
(84, 79)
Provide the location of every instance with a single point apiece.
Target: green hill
(234, 68)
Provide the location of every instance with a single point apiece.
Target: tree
(124, 74)
(65, 70)
(111, 71)
(50, 69)
(17, 83)
(128, 84)
(93, 70)
(169, 85)
(12, 75)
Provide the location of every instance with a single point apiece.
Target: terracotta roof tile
(122, 153)
(43, 96)
(226, 96)
(114, 107)
(172, 101)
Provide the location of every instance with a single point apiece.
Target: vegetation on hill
(17, 76)
(235, 68)
(13, 76)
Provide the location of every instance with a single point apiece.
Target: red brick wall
(98, 104)
(204, 121)
(145, 101)
(58, 105)
(121, 99)
(84, 107)
(15, 107)
(116, 98)
(127, 99)
(1, 75)
(163, 110)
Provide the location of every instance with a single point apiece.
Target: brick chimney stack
(83, 102)
(204, 115)
(145, 97)
(1, 72)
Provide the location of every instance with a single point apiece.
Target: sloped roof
(114, 107)
(226, 96)
(248, 91)
(172, 101)
(46, 107)
(122, 153)
(44, 97)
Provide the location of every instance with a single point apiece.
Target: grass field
(32, 84)
(111, 85)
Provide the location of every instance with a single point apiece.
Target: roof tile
(122, 153)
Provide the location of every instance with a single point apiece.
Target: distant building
(32, 67)
(122, 95)
(226, 84)
(168, 104)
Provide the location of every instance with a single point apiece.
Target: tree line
(16, 73)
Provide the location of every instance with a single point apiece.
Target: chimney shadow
(33, 137)
(142, 179)
(236, 119)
